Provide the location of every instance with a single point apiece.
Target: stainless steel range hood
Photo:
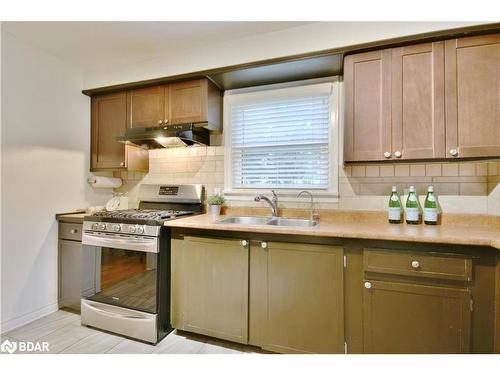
(182, 135)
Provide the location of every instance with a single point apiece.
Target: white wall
(44, 163)
(296, 40)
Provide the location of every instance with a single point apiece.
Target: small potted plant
(215, 202)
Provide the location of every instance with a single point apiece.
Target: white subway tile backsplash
(467, 169)
(468, 187)
(450, 170)
(401, 170)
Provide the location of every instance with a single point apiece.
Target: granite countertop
(463, 233)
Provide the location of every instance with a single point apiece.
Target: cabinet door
(216, 302)
(301, 302)
(409, 318)
(367, 128)
(146, 106)
(472, 96)
(109, 120)
(77, 272)
(418, 101)
(188, 101)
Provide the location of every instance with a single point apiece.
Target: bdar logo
(8, 346)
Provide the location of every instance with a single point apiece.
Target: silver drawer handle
(453, 152)
(244, 243)
(74, 231)
(387, 154)
(263, 245)
(415, 264)
(368, 285)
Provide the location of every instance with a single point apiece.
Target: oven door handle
(145, 244)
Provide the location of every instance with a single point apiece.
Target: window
(282, 138)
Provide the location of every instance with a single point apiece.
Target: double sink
(276, 221)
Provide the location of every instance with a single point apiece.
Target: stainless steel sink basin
(280, 221)
(245, 220)
(283, 222)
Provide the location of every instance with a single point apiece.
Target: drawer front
(69, 231)
(406, 263)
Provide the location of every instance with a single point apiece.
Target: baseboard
(22, 320)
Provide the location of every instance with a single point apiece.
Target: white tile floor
(64, 333)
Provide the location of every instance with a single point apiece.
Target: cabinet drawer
(69, 231)
(407, 263)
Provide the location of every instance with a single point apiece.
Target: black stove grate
(147, 214)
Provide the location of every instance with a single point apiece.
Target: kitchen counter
(460, 231)
(72, 217)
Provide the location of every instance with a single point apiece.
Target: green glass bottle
(412, 207)
(395, 207)
(430, 207)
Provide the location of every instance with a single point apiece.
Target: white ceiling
(89, 45)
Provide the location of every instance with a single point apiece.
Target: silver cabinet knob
(165, 121)
(140, 230)
(102, 226)
(263, 245)
(160, 122)
(387, 154)
(368, 285)
(415, 264)
(95, 226)
(74, 231)
(122, 164)
(398, 154)
(244, 243)
(131, 229)
(453, 152)
(117, 227)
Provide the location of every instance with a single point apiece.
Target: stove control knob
(102, 226)
(131, 229)
(95, 226)
(140, 230)
(117, 227)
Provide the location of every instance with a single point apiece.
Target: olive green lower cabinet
(296, 297)
(210, 287)
(283, 297)
(409, 318)
(416, 302)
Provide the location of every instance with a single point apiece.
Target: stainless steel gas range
(132, 296)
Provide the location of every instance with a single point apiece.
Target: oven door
(126, 270)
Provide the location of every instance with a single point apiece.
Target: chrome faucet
(313, 215)
(272, 202)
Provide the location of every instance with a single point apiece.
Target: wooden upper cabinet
(424, 101)
(195, 101)
(418, 101)
(177, 103)
(367, 82)
(473, 96)
(147, 107)
(109, 121)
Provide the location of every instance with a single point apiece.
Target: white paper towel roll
(105, 182)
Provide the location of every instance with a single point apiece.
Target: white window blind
(281, 138)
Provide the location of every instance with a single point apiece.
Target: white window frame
(328, 195)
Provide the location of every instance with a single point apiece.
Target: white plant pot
(214, 211)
